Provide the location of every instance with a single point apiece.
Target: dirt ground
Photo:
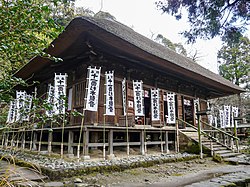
(150, 175)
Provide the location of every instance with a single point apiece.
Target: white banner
(124, 96)
(210, 119)
(235, 113)
(196, 108)
(215, 122)
(50, 101)
(60, 85)
(138, 98)
(93, 82)
(12, 112)
(221, 117)
(227, 116)
(171, 108)
(20, 98)
(110, 101)
(27, 108)
(155, 104)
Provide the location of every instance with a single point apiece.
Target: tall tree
(210, 18)
(26, 29)
(234, 61)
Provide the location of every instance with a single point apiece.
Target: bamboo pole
(50, 143)
(177, 147)
(33, 120)
(82, 121)
(12, 138)
(126, 119)
(199, 137)
(40, 139)
(62, 135)
(235, 134)
(17, 140)
(3, 137)
(104, 147)
(161, 140)
(104, 120)
(79, 143)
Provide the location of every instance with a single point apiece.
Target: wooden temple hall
(130, 93)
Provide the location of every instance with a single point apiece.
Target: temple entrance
(188, 110)
(147, 107)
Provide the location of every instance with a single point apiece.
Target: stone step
(223, 151)
(218, 145)
(219, 148)
(228, 155)
(27, 183)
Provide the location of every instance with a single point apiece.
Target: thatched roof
(125, 39)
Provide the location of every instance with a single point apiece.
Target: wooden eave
(81, 32)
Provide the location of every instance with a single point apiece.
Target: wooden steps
(217, 148)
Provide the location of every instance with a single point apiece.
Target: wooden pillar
(166, 142)
(50, 139)
(23, 140)
(70, 142)
(111, 139)
(199, 136)
(85, 144)
(94, 138)
(34, 147)
(142, 140)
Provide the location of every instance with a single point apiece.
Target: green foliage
(26, 29)
(177, 47)
(234, 60)
(210, 18)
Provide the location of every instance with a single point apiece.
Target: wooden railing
(222, 137)
(213, 133)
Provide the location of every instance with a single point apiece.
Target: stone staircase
(211, 144)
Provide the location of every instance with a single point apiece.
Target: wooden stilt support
(199, 136)
(17, 140)
(111, 148)
(161, 140)
(40, 141)
(166, 142)
(70, 143)
(142, 139)
(85, 144)
(23, 141)
(50, 143)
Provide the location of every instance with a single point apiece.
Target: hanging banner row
(56, 97)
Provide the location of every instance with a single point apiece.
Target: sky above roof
(144, 18)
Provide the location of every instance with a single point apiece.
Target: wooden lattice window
(79, 94)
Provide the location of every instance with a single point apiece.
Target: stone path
(215, 177)
(19, 176)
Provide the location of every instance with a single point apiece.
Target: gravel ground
(195, 172)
